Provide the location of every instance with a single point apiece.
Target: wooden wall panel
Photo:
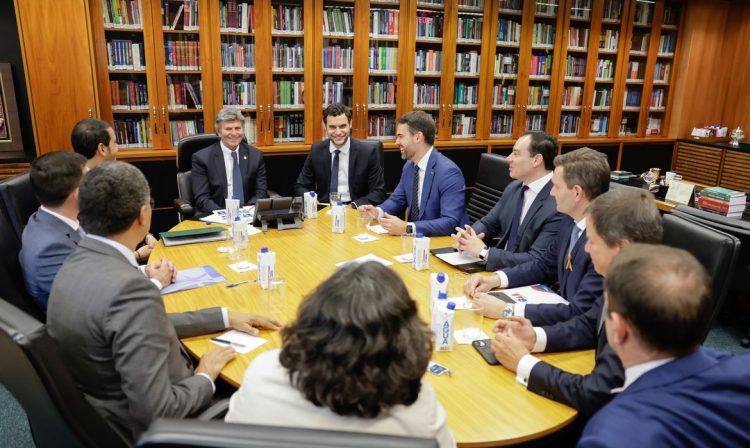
(736, 67)
(698, 163)
(734, 171)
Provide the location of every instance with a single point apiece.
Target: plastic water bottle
(438, 284)
(239, 233)
(233, 209)
(338, 218)
(310, 201)
(421, 253)
(444, 333)
(266, 267)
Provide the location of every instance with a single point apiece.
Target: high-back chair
(492, 178)
(18, 201)
(185, 150)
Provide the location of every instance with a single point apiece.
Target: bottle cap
(339, 203)
(420, 235)
(442, 295)
(236, 218)
(264, 250)
(312, 194)
(440, 277)
(451, 306)
(234, 196)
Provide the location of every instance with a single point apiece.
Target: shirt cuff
(503, 279)
(541, 340)
(523, 372)
(225, 316)
(157, 283)
(213, 386)
(519, 309)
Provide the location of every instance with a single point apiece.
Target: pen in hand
(224, 341)
(232, 285)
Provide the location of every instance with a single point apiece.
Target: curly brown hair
(358, 346)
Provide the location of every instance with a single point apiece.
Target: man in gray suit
(109, 319)
(525, 219)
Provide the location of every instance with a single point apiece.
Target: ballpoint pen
(232, 285)
(224, 341)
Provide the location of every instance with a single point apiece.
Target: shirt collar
(538, 184)
(127, 253)
(425, 159)
(632, 373)
(344, 148)
(581, 225)
(228, 152)
(73, 223)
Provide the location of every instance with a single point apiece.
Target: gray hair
(229, 113)
(110, 198)
(626, 214)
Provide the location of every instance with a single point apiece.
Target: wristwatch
(508, 311)
(484, 253)
(409, 229)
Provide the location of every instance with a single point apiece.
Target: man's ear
(75, 192)
(101, 150)
(619, 328)
(143, 215)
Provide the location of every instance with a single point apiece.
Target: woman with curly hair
(352, 361)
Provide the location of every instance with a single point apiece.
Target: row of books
(662, 70)
(671, 15)
(512, 5)
(238, 56)
(381, 93)
(384, 22)
(639, 43)
(536, 122)
(602, 97)
(465, 94)
(288, 92)
(338, 19)
(545, 9)
(464, 125)
(569, 124)
(182, 54)
(289, 127)
(572, 96)
(658, 98)
(575, 66)
(653, 127)
(501, 124)
(643, 13)
(132, 132)
(544, 34)
(508, 31)
(541, 64)
(506, 64)
(236, 17)
(632, 98)
(667, 43)
(612, 9)
(580, 9)
(429, 24)
(426, 94)
(473, 4)
(428, 60)
(381, 125)
(184, 18)
(333, 91)
(578, 37)
(239, 93)
(636, 69)
(185, 128)
(288, 56)
(430, 3)
(470, 27)
(125, 55)
(287, 18)
(251, 132)
(128, 95)
(605, 69)
(599, 124)
(539, 95)
(183, 93)
(338, 58)
(122, 14)
(723, 201)
(503, 95)
(467, 62)
(383, 58)
(608, 39)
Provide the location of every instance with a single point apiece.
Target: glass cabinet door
(469, 24)
(380, 108)
(428, 59)
(541, 61)
(574, 76)
(505, 67)
(643, 16)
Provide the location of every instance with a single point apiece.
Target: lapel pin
(245, 157)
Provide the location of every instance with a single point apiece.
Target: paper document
(458, 258)
(247, 214)
(243, 343)
(194, 278)
(534, 294)
(365, 238)
(377, 228)
(468, 335)
(243, 266)
(364, 258)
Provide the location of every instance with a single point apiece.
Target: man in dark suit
(616, 220)
(432, 187)
(342, 164)
(525, 218)
(53, 231)
(109, 320)
(580, 177)
(658, 307)
(228, 169)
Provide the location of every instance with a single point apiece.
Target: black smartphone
(484, 347)
(502, 296)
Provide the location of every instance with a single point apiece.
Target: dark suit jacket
(46, 243)
(209, 177)
(443, 201)
(535, 234)
(123, 351)
(587, 393)
(580, 287)
(366, 183)
(700, 400)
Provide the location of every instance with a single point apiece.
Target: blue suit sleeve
(45, 267)
(538, 270)
(452, 205)
(589, 289)
(501, 258)
(578, 333)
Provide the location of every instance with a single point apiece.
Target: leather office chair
(32, 369)
(192, 433)
(185, 150)
(381, 152)
(18, 201)
(715, 250)
(492, 178)
(739, 289)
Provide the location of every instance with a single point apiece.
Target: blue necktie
(516, 223)
(237, 190)
(575, 233)
(335, 172)
(414, 207)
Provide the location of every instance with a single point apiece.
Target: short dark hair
(420, 121)
(626, 214)
(111, 197)
(544, 144)
(664, 292)
(55, 175)
(336, 109)
(586, 168)
(87, 134)
(358, 346)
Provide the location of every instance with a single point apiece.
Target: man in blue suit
(580, 177)
(525, 218)
(52, 232)
(616, 220)
(432, 187)
(676, 394)
(228, 168)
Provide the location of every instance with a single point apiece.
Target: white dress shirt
(229, 166)
(73, 223)
(632, 373)
(343, 168)
(530, 195)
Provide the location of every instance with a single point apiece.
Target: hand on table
(480, 283)
(368, 210)
(467, 240)
(509, 349)
(163, 271)
(394, 225)
(214, 360)
(521, 328)
(493, 307)
(250, 323)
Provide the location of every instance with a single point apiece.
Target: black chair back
(18, 201)
(715, 250)
(32, 369)
(185, 150)
(492, 178)
(378, 144)
(192, 433)
(12, 287)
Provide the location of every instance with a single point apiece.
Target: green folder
(200, 235)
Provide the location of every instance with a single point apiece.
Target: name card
(680, 192)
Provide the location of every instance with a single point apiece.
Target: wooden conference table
(485, 404)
